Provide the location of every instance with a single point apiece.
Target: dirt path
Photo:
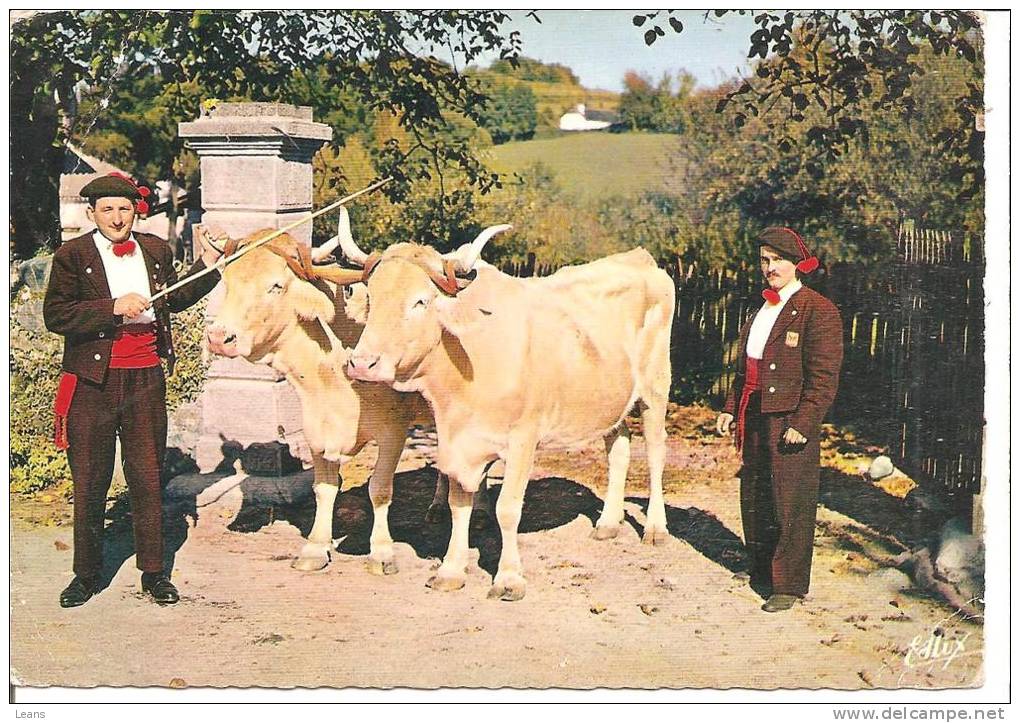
(606, 614)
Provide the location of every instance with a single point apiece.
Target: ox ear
(459, 316)
(311, 303)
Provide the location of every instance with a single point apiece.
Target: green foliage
(656, 108)
(35, 371)
(845, 64)
(524, 68)
(510, 114)
(849, 204)
(255, 55)
(185, 384)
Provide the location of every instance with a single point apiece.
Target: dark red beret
(106, 186)
(790, 245)
(119, 186)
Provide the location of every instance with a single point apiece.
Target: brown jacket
(79, 307)
(799, 370)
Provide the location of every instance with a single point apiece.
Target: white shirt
(763, 322)
(125, 274)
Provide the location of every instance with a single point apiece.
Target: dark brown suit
(798, 377)
(108, 402)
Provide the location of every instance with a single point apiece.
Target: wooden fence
(913, 370)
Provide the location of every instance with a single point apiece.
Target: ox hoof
(436, 513)
(655, 536)
(445, 583)
(605, 532)
(382, 567)
(480, 520)
(310, 564)
(509, 588)
(311, 558)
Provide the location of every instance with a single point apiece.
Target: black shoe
(779, 602)
(78, 592)
(159, 586)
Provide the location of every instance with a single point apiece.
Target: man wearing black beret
(791, 351)
(112, 383)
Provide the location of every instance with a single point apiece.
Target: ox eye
(276, 288)
(421, 304)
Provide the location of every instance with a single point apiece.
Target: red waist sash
(750, 387)
(134, 347)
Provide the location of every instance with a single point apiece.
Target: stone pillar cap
(257, 119)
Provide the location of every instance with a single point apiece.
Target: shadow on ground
(548, 503)
(910, 521)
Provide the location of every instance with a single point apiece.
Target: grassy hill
(595, 165)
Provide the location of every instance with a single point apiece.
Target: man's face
(777, 270)
(113, 216)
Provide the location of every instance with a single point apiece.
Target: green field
(594, 165)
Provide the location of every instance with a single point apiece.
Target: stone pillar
(256, 164)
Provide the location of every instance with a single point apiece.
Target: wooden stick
(279, 232)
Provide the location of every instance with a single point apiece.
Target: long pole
(279, 232)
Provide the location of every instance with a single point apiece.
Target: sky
(601, 45)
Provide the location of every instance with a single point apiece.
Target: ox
(281, 309)
(510, 364)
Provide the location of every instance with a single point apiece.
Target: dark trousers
(778, 501)
(132, 404)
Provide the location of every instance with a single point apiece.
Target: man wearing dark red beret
(112, 384)
(787, 373)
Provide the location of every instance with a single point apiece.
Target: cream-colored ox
(510, 364)
(281, 309)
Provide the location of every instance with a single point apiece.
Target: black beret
(106, 186)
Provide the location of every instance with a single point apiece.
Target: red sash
(134, 347)
(62, 405)
(750, 387)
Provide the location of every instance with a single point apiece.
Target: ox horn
(467, 255)
(346, 240)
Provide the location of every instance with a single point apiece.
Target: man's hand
(130, 305)
(212, 242)
(794, 437)
(722, 424)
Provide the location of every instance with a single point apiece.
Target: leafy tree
(637, 102)
(387, 60)
(535, 70)
(657, 108)
(751, 175)
(850, 62)
(511, 113)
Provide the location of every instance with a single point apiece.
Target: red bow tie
(124, 248)
(771, 296)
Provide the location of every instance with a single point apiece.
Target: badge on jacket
(792, 338)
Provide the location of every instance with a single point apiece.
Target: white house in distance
(581, 119)
(79, 169)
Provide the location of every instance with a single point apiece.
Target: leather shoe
(779, 602)
(78, 592)
(160, 588)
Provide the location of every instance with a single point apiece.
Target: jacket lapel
(149, 254)
(92, 266)
(786, 316)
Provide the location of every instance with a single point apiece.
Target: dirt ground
(597, 614)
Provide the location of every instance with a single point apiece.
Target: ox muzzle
(369, 367)
(222, 341)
